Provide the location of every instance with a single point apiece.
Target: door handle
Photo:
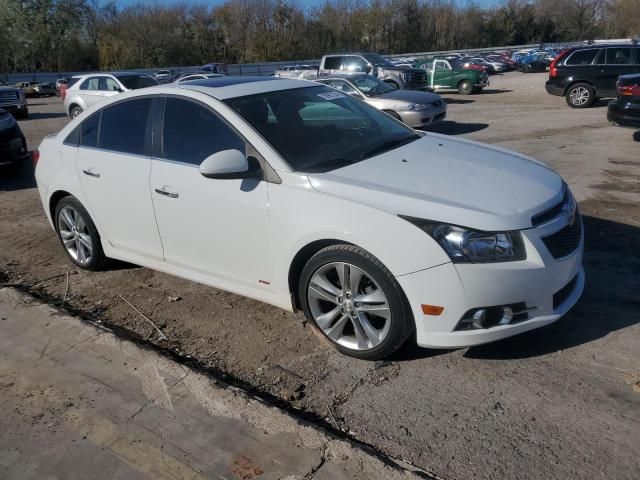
(91, 173)
(161, 191)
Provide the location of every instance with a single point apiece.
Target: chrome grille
(9, 96)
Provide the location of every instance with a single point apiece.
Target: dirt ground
(559, 402)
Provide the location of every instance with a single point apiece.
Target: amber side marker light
(432, 309)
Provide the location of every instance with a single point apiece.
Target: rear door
(613, 62)
(114, 165)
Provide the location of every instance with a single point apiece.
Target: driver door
(441, 74)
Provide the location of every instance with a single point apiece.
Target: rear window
(582, 57)
(134, 82)
(618, 56)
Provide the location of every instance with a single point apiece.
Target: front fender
(301, 215)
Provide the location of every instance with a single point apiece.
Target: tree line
(78, 35)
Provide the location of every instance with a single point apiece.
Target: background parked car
(59, 83)
(373, 64)
(164, 76)
(187, 77)
(624, 111)
(302, 72)
(13, 145)
(27, 88)
(584, 74)
(416, 109)
(445, 75)
(94, 88)
(13, 100)
(44, 90)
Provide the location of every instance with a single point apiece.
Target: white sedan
(292, 193)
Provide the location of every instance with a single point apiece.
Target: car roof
(223, 88)
(607, 45)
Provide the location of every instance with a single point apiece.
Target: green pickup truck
(441, 75)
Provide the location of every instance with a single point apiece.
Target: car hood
(409, 96)
(454, 181)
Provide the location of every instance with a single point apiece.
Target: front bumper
(424, 118)
(624, 114)
(15, 107)
(460, 288)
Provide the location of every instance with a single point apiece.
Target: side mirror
(229, 165)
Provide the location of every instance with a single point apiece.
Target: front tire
(580, 95)
(393, 114)
(78, 235)
(355, 302)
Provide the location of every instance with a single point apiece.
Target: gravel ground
(559, 402)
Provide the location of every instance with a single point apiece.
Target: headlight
(21, 95)
(416, 107)
(465, 245)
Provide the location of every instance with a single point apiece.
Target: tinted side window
(89, 131)
(332, 63)
(354, 64)
(582, 57)
(618, 56)
(124, 126)
(192, 133)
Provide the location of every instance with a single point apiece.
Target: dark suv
(584, 74)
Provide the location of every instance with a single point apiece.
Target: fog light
(487, 317)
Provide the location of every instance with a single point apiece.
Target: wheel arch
(299, 261)
(575, 82)
(53, 202)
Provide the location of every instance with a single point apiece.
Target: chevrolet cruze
(298, 195)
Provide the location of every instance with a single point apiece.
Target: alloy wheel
(75, 236)
(579, 96)
(348, 306)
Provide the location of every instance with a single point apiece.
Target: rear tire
(465, 87)
(75, 111)
(580, 95)
(23, 115)
(78, 234)
(365, 316)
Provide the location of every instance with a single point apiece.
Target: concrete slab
(79, 402)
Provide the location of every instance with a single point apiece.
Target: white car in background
(295, 194)
(197, 76)
(91, 89)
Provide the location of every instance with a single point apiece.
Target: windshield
(317, 129)
(133, 82)
(371, 86)
(377, 60)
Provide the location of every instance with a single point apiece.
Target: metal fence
(268, 68)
